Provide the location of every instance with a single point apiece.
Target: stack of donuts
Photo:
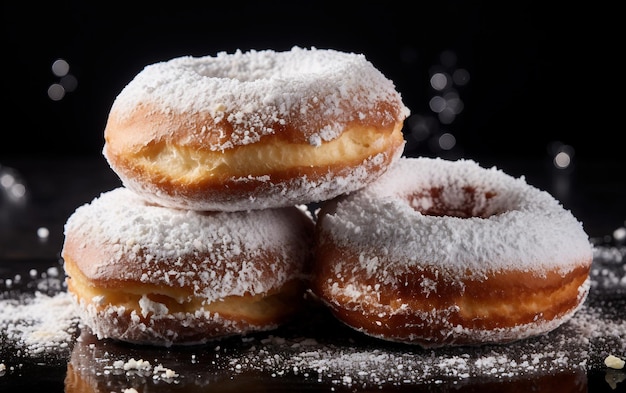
(209, 236)
(212, 232)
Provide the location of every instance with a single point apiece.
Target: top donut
(256, 129)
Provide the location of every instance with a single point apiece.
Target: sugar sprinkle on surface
(596, 332)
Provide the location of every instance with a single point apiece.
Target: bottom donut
(152, 275)
(440, 252)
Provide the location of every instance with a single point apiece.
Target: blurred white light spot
(439, 81)
(562, 160)
(447, 141)
(453, 101)
(10, 185)
(421, 127)
(56, 92)
(447, 116)
(7, 180)
(60, 67)
(53, 271)
(619, 234)
(18, 190)
(460, 77)
(69, 83)
(437, 104)
(43, 233)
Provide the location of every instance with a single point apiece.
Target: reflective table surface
(44, 348)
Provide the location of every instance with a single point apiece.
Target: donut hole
(461, 202)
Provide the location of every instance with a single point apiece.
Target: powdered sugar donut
(256, 129)
(153, 275)
(440, 252)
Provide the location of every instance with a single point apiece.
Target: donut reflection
(270, 363)
(103, 366)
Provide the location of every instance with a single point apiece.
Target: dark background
(540, 72)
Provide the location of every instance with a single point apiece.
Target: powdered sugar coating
(511, 224)
(132, 240)
(267, 193)
(253, 93)
(439, 252)
(113, 322)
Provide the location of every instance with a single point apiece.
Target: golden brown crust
(274, 172)
(254, 130)
(502, 302)
(116, 311)
(153, 275)
(269, 308)
(147, 125)
(422, 256)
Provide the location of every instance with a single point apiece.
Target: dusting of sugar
(39, 324)
(255, 90)
(146, 243)
(569, 348)
(609, 271)
(583, 343)
(512, 225)
(150, 306)
(595, 333)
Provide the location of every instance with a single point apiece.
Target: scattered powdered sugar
(39, 324)
(144, 367)
(609, 272)
(579, 345)
(317, 350)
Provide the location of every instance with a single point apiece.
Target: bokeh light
(562, 160)
(447, 141)
(60, 67)
(421, 127)
(56, 92)
(460, 77)
(562, 154)
(445, 105)
(437, 104)
(67, 82)
(439, 81)
(11, 187)
(43, 233)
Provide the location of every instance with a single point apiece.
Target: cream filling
(149, 300)
(188, 164)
